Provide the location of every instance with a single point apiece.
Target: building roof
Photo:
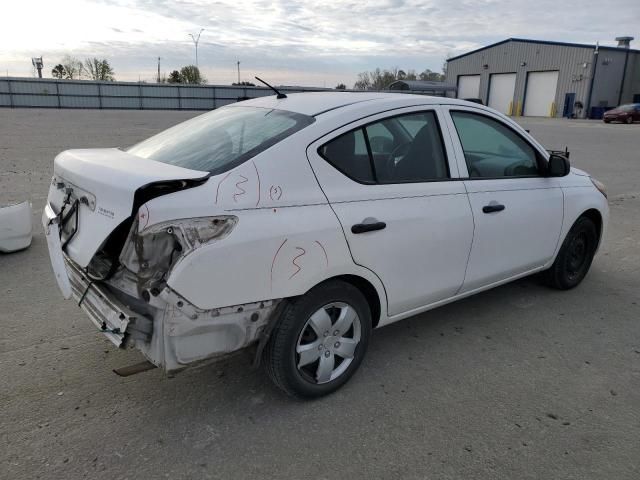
(542, 42)
(421, 86)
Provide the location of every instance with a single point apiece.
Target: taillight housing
(150, 253)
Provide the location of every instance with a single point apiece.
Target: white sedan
(296, 225)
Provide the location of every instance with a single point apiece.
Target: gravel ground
(520, 382)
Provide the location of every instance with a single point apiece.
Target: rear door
(517, 210)
(392, 183)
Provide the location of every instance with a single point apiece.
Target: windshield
(222, 139)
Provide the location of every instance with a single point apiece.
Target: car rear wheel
(629, 120)
(575, 256)
(319, 340)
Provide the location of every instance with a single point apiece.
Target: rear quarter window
(348, 153)
(222, 139)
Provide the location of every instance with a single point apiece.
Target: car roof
(317, 103)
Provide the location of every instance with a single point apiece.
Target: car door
(395, 191)
(517, 210)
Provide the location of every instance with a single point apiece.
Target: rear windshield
(222, 139)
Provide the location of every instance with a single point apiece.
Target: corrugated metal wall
(631, 87)
(51, 93)
(574, 64)
(608, 78)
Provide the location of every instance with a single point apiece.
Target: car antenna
(279, 95)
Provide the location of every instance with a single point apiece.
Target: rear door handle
(369, 224)
(492, 207)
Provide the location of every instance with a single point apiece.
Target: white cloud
(294, 42)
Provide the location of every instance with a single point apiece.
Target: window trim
(364, 126)
(540, 161)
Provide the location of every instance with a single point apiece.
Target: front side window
(401, 149)
(222, 139)
(491, 149)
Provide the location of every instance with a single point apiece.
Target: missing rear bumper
(112, 317)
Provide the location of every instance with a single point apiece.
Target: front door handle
(369, 224)
(492, 207)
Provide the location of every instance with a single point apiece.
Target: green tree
(175, 77)
(341, 86)
(58, 71)
(73, 67)
(98, 69)
(191, 74)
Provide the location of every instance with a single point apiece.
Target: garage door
(501, 88)
(540, 94)
(469, 86)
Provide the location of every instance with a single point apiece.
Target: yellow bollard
(510, 109)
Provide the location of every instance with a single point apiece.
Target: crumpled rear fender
(271, 254)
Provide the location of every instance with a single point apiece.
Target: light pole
(238, 72)
(195, 42)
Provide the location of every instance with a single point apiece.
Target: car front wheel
(629, 120)
(575, 256)
(319, 341)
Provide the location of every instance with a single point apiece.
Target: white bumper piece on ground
(15, 227)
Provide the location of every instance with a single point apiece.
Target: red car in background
(624, 113)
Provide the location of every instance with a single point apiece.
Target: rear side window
(400, 149)
(222, 139)
(348, 153)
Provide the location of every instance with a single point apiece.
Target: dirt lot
(519, 382)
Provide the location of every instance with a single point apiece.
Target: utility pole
(195, 42)
(158, 69)
(238, 72)
(37, 64)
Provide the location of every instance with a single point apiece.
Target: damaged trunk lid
(99, 189)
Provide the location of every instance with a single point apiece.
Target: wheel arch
(582, 202)
(595, 216)
(367, 289)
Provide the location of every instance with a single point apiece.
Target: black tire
(629, 120)
(575, 256)
(280, 357)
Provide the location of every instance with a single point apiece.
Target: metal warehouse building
(548, 79)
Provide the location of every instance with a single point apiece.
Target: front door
(404, 214)
(517, 210)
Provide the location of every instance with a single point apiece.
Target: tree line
(71, 68)
(379, 79)
(94, 68)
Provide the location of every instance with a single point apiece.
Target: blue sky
(292, 42)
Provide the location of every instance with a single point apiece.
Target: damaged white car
(295, 225)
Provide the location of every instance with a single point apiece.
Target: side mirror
(558, 166)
